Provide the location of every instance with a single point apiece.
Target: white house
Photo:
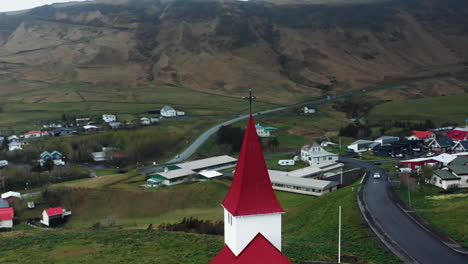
(145, 121)
(6, 218)
(309, 110)
(461, 146)
(252, 230)
(261, 131)
(16, 145)
(170, 177)
(444, 179)
(384, 140)
(109, 118)
(168, 111)
(54, 216)
(316, 156)
(360, 145)
(3, 163)
(282, 182)
(55, 156)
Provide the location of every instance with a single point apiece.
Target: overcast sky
(13, 5)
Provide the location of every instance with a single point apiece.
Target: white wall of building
(45, 218)
(6, 224)
(443, 183)
(261, 132)
(463, 182)
(240, 230)
(170, 113)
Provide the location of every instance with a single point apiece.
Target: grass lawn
(309, 227)
(273, 165)
(104, 172)
(446, 212)
(372, 157)
(389, 166)
(438, 109)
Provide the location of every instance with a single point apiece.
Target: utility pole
(341, 177)
(409, 195)
(339, 234)
(339, 149)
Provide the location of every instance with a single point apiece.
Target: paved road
(423, 247)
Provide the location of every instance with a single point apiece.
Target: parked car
(376, 175)
(417, 150)
(430, 154)
(399, 155)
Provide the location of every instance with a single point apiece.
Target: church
(252, 213)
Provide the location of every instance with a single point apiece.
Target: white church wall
(240, 230)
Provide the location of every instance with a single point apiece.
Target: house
(460, 146)
(109, 118)
(58, 132)
(459, 133)
(315, 155)
(282, 182)
(101, 155)
(441, 144)
(115, 125)
(170, 177)
(261, 131)
(90, 128)
(15, 145)
(422, 135)
(309, 110)
(460, 160)
(444, 179)
(35, 134)
(168, 111)
(286, 162)
(252, 230)
(461, 171)
(361, 146)
(385, 140)
(54, 216)
(145, 121)
(51, 124)
(55, 156)
(3, 163)
(6, 218)
(82, 120)
(11, 197)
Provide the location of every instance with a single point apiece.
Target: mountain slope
(225, 47)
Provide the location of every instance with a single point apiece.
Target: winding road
(415, 244)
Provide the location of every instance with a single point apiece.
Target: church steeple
(251, 192)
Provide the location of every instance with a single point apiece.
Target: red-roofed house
(252, 213)
(32, 134)
(53, 216)
(458, 133)
(422, 135)
(6, 218)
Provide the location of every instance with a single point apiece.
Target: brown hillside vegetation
(282, 48)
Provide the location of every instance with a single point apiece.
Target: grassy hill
(440, 109)
(309, 226)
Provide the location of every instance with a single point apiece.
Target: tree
(427, 173)
(273, 143)
(48, 165)
(4, 143)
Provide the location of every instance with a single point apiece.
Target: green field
(445, 212)
(29, 108)
(438, 109)
(309, 227)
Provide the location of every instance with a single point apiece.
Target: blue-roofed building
(461, 146)
(441, 144)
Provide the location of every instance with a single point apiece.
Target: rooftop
(174, 174)
(54, 211)
(282, 177)
(445, 175)
(459, 169)
(206, 163)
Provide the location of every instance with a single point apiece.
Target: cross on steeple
(250, 98)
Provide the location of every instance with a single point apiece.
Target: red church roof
(258, 251)
(251, 191)
(54, 211)
(422, 134)
(6, 214)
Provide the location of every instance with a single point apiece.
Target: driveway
(417, 243)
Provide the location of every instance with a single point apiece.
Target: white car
(430, 154)
(376, 175)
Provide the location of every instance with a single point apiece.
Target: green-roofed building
(444, 179)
